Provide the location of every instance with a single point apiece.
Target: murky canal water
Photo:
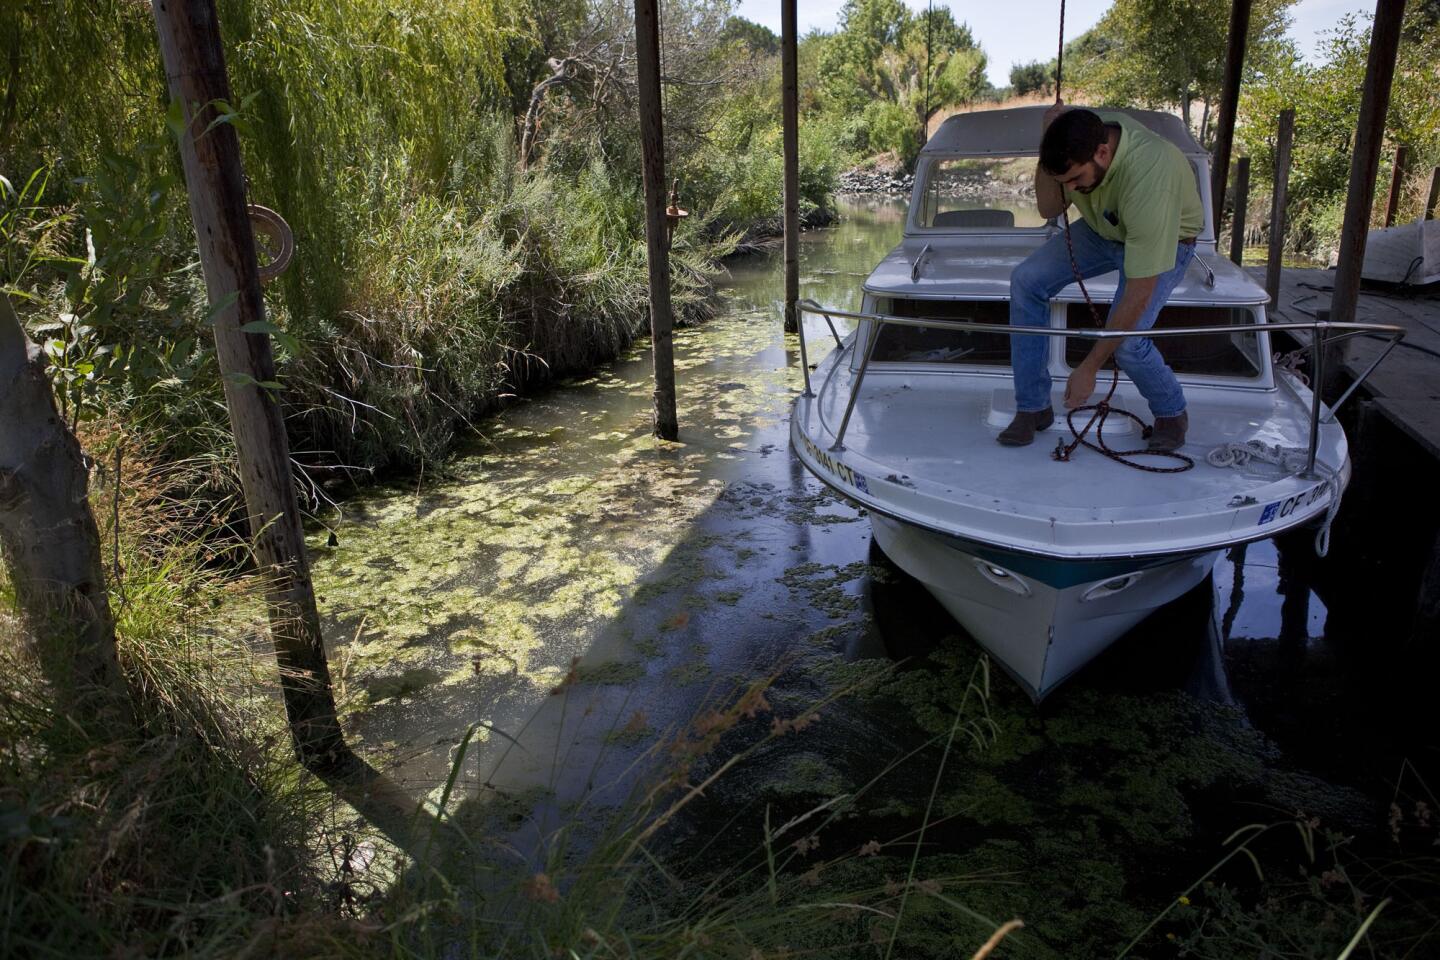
(679, 573)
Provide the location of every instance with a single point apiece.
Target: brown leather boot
(1022, 429)
(1169, 433)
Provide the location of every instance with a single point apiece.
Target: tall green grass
(190, 836)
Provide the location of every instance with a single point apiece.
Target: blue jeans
(1045, 273)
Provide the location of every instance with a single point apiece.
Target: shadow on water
(575, 594)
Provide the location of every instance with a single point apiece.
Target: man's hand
(1080, 385)
(1052, 113)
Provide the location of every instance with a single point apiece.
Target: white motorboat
(1407, 254)
(1047, 562)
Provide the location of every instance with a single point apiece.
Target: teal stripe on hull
(1061, 573)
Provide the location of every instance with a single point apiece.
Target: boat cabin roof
(1016, 132)
(979, 268)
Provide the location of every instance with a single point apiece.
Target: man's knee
(1029, 279)
(1134, 350)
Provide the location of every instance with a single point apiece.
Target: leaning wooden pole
(657, 231)
(1283, 138)
(189, 32)
(1229, 101)
(790, 120)
(1365, 157)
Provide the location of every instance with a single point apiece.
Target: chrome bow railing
(1320, 340)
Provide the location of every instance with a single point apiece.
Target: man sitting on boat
(1141, 211)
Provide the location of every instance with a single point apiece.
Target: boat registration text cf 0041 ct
(1047, 561)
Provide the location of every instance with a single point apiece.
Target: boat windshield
(980, 194)
(1227, 354)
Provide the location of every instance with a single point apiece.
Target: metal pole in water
(657, 231)
(790, 120)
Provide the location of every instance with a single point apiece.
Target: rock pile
(874, 181)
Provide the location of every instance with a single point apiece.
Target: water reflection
(834, 263)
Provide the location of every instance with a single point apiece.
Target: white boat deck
(921, 447)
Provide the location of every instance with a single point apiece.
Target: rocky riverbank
(991, 182)
(883, 182)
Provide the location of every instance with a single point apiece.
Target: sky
(1018, 31)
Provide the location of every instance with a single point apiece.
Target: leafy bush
(1326, 99)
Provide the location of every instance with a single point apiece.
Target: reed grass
(433, 280)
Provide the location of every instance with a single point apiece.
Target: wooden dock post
(1365, 156)
(1434, 195)
(1283, 139)
(1229, 103)
(1426, 625)
(790, 119)
(1237, 219)
(189, 32)
(1397, 183)
(657, 231)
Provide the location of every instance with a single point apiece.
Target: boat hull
(1040, 619)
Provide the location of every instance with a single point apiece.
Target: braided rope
(1102, 410)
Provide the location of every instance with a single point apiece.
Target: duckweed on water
(1084, 817)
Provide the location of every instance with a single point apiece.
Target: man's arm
(1125, 316)
(1049, 196)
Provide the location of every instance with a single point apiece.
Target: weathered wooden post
(1397, 184)
(189, 32)
(1229, 102)
(1237, 219)
(1365, 157)
(49, 537)
(1434, 195)
(657, 232)
(1277, 205)
(790, 120)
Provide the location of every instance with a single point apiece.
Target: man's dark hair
(1072, 138)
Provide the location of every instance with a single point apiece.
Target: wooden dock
(1393, 520)
(1406, 387)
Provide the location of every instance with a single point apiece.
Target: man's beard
(1099, 178)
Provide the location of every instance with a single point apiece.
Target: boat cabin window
(982, 194)
(898, 344)
(1212, 355)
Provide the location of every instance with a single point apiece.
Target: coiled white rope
(1256, 459)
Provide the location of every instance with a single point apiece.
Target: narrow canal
(583, 592)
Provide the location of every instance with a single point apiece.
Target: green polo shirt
(1148, 199)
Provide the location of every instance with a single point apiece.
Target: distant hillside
(1029, 100)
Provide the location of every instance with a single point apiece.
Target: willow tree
(1159, 53)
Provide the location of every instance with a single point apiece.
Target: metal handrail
(1319, 330)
